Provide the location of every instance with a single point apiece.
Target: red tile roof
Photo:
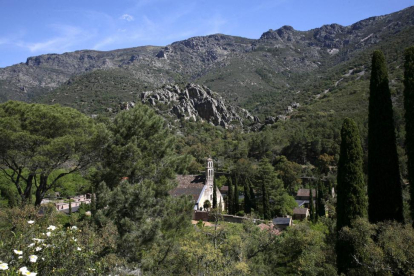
(300, 211)
(306, 192)
(189, 185)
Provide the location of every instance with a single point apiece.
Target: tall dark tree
(266, 177)
(93, 202)
(230, 196)
(247, 198)
(352, 199)
(236, 202)
(214, 195)
(320, 199)
(312, 212)
(384, 185)
(351, 189)
(409, 118)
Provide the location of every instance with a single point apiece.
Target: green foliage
(140, 147)
(351, 189)
(47, 247)
(383, 171)
(385, 248)
(312, 211)
(207, 204)
(266, 179)
(302, 250)
(230, 197)
(38, 140)
(289, 172)
(409, 119)
(236, 203)
(275, 200)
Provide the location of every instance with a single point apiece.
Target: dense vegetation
(130, 161)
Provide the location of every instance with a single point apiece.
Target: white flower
(23, 270)
(33, 258)
(79, 249)
(18, 252)
(38, 248)
(31, 222)
(38, 240)
(74, 227)
(51, 227)
(74, 239)
(30, 245)
(29, 273)
(20, 257)
(4, 266)
(48, 234)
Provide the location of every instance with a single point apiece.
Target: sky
(34, 27)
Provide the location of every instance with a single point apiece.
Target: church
(200, 187)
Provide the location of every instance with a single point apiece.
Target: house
(300, 213)
(282, 223)
(200, 187)
(303, 196)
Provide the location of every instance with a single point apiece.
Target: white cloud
(127, 17)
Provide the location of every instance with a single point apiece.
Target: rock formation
(198, 103)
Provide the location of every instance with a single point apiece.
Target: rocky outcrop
(197, 103)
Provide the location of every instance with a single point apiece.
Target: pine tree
(214, 195)
(230, 197)
(384, 186)
(409, 119)
(351, 200)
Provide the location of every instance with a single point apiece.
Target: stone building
(200, 187)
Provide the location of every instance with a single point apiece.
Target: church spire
(210, 172)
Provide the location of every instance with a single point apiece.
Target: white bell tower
(210, 173)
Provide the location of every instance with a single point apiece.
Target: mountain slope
(264, 75)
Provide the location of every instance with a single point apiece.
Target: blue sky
(35, 27)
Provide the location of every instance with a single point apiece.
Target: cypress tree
(320, 199)
(93, 202)
(252, 196)
(236, 198)
(266, 209)
(214, 195)
(384, 186)
(409, 119)
(266, 176)
(247, 198)
(230, 197)
(311, 206)
(351, 195)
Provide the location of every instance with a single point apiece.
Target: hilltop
(263, 75)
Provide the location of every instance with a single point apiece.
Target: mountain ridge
(279, 63)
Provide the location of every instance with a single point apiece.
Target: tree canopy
(37, 140)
